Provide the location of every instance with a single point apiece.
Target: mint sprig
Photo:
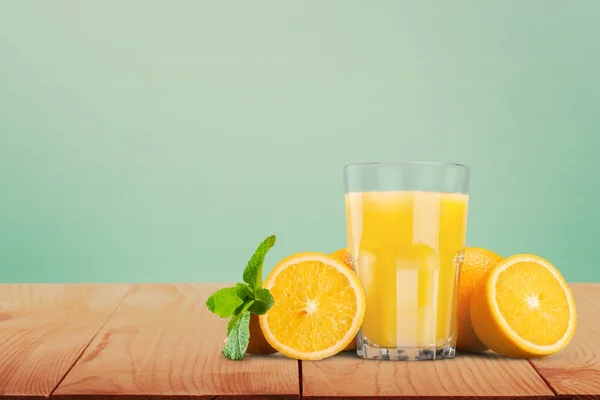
(242, 299)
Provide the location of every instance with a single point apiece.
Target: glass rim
(406, 163)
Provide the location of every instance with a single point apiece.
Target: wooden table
(159, 341)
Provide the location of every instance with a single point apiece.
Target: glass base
(372, 352)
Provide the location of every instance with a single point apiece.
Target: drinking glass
(406, 226)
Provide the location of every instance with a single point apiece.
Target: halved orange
(319, 306)
(524, 308)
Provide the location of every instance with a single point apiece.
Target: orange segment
(319, 306)
(524, 308)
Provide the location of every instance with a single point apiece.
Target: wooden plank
(486, 375)
(44, 329)
(164, 343)
(575, 371)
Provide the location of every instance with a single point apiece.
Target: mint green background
(144, 142)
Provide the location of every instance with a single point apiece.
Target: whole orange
(477, 263)
(258, 344)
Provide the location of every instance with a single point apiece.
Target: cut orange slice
(524, 308)
(319, 306)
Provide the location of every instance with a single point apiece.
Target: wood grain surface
(164, 343)
(486, 375)
(160, 342)
(44, 329)
(575, 371)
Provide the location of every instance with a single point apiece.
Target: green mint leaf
(244, 291)
(224, 302)
(237, 314)
(263, 301)
(238, 338)
(253, 271)
(233, 322)
(239, 309)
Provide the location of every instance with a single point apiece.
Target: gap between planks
(300, 382)
(43, 329)
(542, 377)
(90, 341)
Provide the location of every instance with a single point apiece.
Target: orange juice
(407, 248)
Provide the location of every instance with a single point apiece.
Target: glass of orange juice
(406, 225)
